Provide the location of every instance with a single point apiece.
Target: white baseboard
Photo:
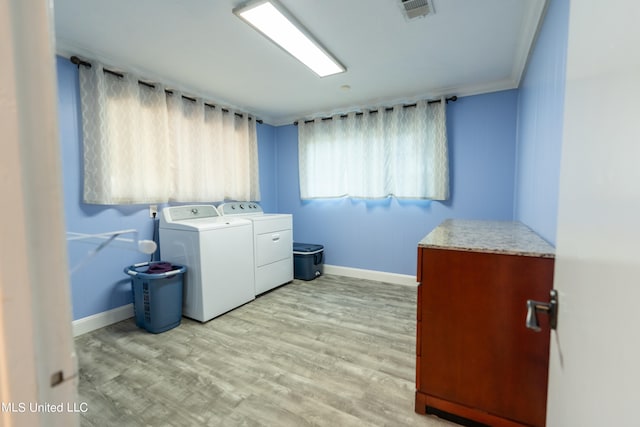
(100, 320)
(380, 276)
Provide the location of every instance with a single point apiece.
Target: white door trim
(36, 346)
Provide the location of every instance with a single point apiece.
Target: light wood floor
(330, 352)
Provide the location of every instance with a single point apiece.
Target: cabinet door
(475, 348)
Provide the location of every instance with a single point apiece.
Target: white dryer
(272, 243)
(218, 254)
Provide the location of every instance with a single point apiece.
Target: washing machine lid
(240, 208)
(196, 218)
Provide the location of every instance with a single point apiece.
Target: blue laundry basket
(157, 295)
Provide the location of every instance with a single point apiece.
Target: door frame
(37, 360)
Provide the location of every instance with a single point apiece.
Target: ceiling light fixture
(277, 24)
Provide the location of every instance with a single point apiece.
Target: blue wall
(540, 117)
(383, 235)
(100, 284)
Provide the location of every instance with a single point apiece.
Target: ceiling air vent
(417, 8)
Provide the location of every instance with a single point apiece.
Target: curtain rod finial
(77, 61)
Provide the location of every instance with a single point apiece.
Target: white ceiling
(467, 47)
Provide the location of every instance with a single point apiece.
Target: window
(143, 144)
(399, 152)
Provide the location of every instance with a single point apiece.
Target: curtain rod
(343, 116)
(77, 61)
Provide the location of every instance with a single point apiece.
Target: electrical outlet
(153, 211)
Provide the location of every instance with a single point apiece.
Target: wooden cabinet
(475, 357)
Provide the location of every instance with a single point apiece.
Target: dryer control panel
(240, 208)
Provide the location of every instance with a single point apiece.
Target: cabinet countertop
(504, 237)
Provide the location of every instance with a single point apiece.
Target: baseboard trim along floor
(378, 276)
(100, 320)
(109, 317)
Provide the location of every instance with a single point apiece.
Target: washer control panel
(183, 213)
(240, 208)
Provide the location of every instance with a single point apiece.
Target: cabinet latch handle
(535, 307)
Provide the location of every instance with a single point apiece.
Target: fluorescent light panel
(277, 24)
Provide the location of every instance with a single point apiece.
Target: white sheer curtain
(143, 145)
(400, 153)
(125, 137)
(216, 153)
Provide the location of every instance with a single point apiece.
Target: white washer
(272, 243)
(218, 254)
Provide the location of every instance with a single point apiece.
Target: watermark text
(31, 407)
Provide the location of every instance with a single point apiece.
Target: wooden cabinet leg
(421, 403)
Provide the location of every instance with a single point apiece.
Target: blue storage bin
(308, 260)
(157, 295)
